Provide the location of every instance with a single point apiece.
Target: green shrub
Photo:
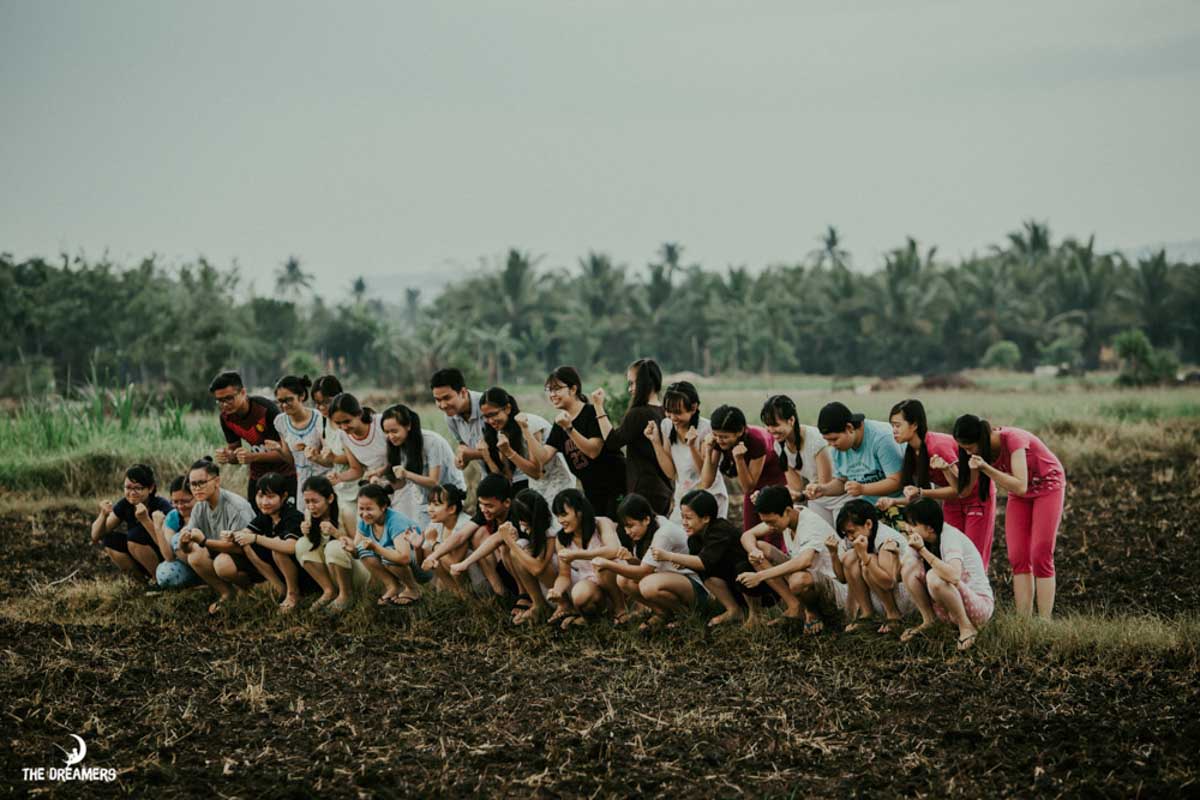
(1002, 355)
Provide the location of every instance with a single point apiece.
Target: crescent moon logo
(77, 755)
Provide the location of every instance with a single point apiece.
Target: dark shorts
(701, 597)
(119, 540)
(308, 584)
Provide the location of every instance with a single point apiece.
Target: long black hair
(411, 454)
(500, 398)
(347, 403)
(679, 397)
(321, 485)
(634, 506)
(928, 511)
(970, 429)
(577, 502)
(647, 380)
(780, 408)
(532, 509)
(859, 512)
(915, 471)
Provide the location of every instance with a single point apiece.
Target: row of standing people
(669, 450)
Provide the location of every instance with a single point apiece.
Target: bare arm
(1017, 483)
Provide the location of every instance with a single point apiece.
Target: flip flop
(911, 633)
(888, 627)
(813, 627)
(404, 600)
(966, 642)
(571, 620)
(860, 622)
(386, 600)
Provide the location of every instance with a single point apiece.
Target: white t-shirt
(956, 545)
(347, 493)
(413, 500)
(672, 538)
(463, 521)
(371, 450)
(556, 476)
(310, 435)
(813, 444)
(687, 475)
(810, 534)
(885, 534)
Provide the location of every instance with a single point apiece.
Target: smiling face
(452, 403)
(439, 510)
(693, 523)
(781, 429)
(493, 508)
(183, 502)
(370, 512)
(322, 403)
(680, 414)
(569, 520)
(135, 493)
(289, 402)
(631, 380)
(726, 440)
(559, 394)
(396, 433)
(636, 529)
(269, 502)
(495, 416)
(315, 504)
(344, 421)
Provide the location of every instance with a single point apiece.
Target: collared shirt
(468, 431)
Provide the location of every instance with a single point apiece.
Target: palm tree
(291, 279)
(1150, 295)
(831, 251)
(358, 290)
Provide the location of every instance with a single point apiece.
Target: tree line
(1028, 301)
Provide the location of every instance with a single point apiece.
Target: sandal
(523, 603)
(405, 600)
(859, 622)
(557, 616)
(571, 620)
(217, 607)
(812, 627)
(965, 642)
(385, 600)
(888, 627)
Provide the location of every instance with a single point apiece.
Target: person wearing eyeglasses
(216, 514)
(127, 527)
(248, 422)
(300, 429)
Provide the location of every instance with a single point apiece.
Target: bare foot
(915, 631)
(322, 601)
(654, 623)
(571, 620)
(725, 619)
(861, 622)
(289, 604)
(789, 615)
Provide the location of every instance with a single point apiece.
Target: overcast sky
(384, 138)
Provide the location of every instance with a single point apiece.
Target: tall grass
(79, 449)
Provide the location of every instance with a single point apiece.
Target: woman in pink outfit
(1036, 483)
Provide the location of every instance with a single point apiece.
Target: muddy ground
(446, 700)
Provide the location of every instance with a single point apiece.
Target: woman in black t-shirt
(577, 435)
(269, 542)
(643, 475)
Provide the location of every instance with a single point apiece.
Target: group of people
(862, 521)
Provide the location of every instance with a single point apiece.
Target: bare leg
(1023, 593)
(1045, 596)
(616, 598)
(721, 591)
(380, 573)
(859, 593)
(266, 570)
(146, 556)
(947, 597)
(320, 574)
(667, 593)
(773, 556)
(887, 598)
(291, 579)
(124, 563)
(344, 579)
(488, 564)
(201, 563)
(531, 586)
(913, 575)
